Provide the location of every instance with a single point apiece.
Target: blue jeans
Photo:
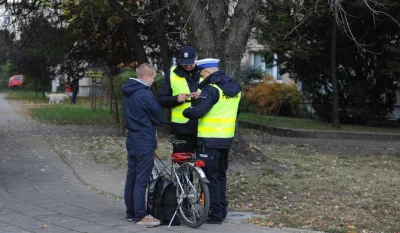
(140, 165)
(73, 97)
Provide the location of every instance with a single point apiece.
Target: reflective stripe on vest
(220, 121)
(179, 85)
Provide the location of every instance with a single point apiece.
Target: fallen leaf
(270, 224)
(351, 227)
(45, 226)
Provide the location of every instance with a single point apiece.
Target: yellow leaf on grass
(270, 224)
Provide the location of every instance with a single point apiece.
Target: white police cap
(207, 63)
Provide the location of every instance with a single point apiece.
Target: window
(6, 20)
(273, 70)
(259, 61)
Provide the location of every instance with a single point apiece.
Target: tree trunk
(129, 25)
(217, 32)
(221, 29)
(134, 40)
(36, 88)
(335, 95)
(238, 34)
(119, 112)
(161, 38)
(162, 42)
(201, 28)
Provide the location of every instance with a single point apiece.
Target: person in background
(178, 92)
(142, 115)
(216, 111)
(68, 85)
(74, 89)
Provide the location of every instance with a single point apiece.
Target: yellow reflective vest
(220, 121)
(179, 85)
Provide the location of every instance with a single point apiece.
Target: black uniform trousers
(216, 161)
(191, 143)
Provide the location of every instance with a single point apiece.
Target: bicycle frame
(160, 167)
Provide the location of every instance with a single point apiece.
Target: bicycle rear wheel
(193, 194)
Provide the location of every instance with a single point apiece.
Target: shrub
(29, 85)
(246, 74)
(3, 84)
(269, 97)
(121, 79)
(7, 70)
(117, 83)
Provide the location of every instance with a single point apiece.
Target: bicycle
(192, 192)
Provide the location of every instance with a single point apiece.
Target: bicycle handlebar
(177, 142)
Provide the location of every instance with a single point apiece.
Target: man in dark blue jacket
(179, 91)
(74, 89)
(142, 114)
(216, 110)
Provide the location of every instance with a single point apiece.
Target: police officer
(216, 111)
(178, 92)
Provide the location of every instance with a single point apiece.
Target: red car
(16, 81)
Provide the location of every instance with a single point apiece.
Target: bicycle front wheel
(193, 194)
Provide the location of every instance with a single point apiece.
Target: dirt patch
(320, 189)
(300, 186)
(24, 107)
(100, 148)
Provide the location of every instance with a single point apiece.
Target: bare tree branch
(342, 15)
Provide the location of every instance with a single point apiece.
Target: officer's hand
(195, 94)
(182, 97)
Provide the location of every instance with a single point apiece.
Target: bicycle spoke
(194, 207)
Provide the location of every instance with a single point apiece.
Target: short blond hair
(144, 70)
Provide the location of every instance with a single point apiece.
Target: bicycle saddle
(177, 142)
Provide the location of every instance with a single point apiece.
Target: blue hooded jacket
(142, 114)
(208, 97)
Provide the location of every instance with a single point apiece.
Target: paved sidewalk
(43, 192)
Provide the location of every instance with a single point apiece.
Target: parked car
(16, 81)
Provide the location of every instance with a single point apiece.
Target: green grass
(300, 123)
(26, 95)
(81, 114)
(38, 98)
(65, 114)
(62, 114)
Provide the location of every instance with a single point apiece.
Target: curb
(67, 162)
(304, 133)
